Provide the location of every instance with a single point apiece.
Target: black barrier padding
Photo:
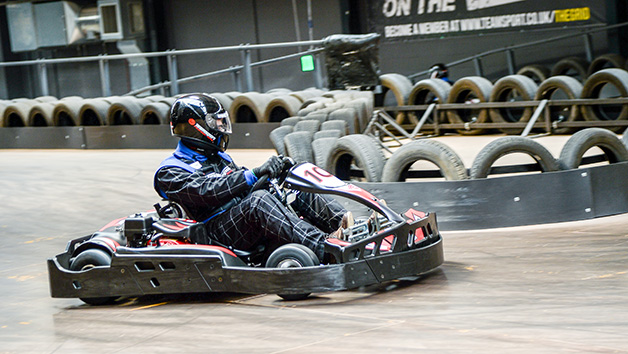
(609, 189)
(130, 137)
(42, 138)
(511, 201)
(245, 136)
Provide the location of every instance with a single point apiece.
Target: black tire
(350, 116)
(299, 146)
(155, 113)
(582, 141)
(339, 125)
(307, 125)
(292, 121)
(276, 138)
(281, 107)
(40, 115)
(606, 61)
(469, 89)
(292, 255)
(124, 111)
(485, 159)
(573, 66)
(395, 91)
(224, 100)
(362, 110)
(512, 88)
(94, 112)
(561, 88)
(66, 113)
(328, 133)
(16, 114)
(427, 92)
(360, 150)
(249, 107)
(607, 83)
(321, 147)
(88, 259)
(538, 73)
(449, 163)
(319, 115)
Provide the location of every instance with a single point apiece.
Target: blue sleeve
(250, 177)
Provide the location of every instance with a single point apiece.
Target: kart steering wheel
(288, 164)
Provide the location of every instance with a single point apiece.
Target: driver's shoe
(347, 222)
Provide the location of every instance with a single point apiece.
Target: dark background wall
(188, 24)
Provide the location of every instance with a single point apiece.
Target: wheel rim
(289, 263)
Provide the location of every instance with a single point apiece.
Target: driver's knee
(261, 198)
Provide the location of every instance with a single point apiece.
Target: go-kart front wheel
(290, 256)
(89, 259)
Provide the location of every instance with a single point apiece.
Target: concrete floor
(535, 289)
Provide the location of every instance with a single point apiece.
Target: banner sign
(413, 19)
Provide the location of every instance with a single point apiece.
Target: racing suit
(215, 191)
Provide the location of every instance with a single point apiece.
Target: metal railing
(382, 124)
(171, 55)
(510, 55)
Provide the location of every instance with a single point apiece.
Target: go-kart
(153, 252)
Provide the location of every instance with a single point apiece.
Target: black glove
(288, 162)
(271, 168)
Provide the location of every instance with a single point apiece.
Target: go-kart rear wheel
(290, 256)
(89, 259)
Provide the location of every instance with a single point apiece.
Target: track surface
(542, 289)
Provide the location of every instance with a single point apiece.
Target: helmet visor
(219, 121)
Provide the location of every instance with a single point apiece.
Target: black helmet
(438, 71)
(200, 121)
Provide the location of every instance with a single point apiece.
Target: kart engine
(138, 230)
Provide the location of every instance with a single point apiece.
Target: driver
(439, 71)
(201, 177)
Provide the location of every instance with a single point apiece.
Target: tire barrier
(16, 114)
(155, 113)
(124, 111)
(224, 100)
(498, 148)
(561, 88)
(606, 83)
(512, 88)
(398, 166)
(40, 114)
(307, 125)
(93, 112)
(339, 125)
(356, 156)
(606, 61)
(578, 144)
(400, 87)
(66, 112)
(472, 89)
(249, 107)
(426, 92)
(329, 133)
(573, 66)
(348, 115)
(299, 146)
(276, 138)
(322, 146)
(281, 107)
(538, 73)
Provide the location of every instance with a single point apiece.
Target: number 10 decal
(317, 173)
